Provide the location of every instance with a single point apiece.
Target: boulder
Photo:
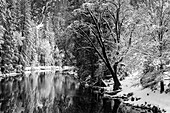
(150, 79)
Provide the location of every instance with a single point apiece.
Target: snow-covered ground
(39, 68)
(146, 95)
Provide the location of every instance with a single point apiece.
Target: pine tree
(8, 47)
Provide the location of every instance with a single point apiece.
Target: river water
(54, 92)
(46, 92)
(37, 92)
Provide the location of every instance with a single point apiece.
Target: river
(37, 92)
(54, 92)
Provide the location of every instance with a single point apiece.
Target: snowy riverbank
(39, 68)
(147, 96)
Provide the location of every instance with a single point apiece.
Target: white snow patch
(146, 95)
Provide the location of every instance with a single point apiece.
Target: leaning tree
(106, 26)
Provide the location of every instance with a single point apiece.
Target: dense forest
(100, 38)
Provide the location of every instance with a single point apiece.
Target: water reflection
(54, 92)
(37, 92)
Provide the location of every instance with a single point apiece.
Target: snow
(146, 95)
(129, 85)
(9, 74)
(40, 68)
(57, 68)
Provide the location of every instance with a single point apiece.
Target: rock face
(150, 79)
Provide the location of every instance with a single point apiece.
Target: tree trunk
(162, 86)
(114, 75)
(116, 80)
(113, 72)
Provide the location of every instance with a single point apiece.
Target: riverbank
(144, 96)
(39, 68)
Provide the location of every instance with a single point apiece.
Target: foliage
(152, 38)
(103, 26)
(9, 53)
(154, 23)
(24, 27)
(85, 56)
(96, 36)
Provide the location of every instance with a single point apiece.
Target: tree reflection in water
(49, 92)
(37, 92)
(54, 92)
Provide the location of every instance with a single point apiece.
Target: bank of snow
(39, 68)
(57, 68)
(146, 95)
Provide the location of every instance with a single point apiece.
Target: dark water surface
(54, 92)
(37, 92)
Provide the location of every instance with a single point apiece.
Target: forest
(113, 42)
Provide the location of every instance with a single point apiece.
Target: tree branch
(98, 29)
(88, 38)
(110, 29)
